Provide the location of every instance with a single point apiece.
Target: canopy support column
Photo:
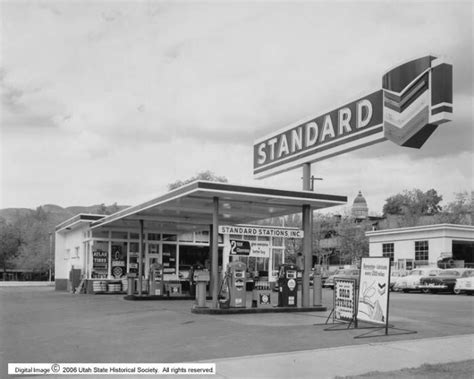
(215, 251)
(307, 252)
(140, 259)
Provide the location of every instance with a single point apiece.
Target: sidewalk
(348, 360)
(26, 284)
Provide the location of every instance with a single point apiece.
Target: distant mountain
(57, 214)
(84, 209)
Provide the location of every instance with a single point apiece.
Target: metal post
(50, 255)
(215, 250)
(307, 252)
(140, 260)
(306, 176)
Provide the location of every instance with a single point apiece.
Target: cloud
(171, 88)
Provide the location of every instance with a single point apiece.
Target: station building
(424, 245)
(179, 229)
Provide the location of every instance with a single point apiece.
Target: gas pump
(201, 278)
(317, 285)
(192, 278)
(156, 279)
(237, 284)
(288, 290)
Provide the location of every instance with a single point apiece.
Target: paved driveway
(41, 325)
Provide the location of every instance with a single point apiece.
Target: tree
(9, 243)
(34, 250)
(459, 211)
(325, 237)
(412, 205)
(103, 209)
(203, 175)
(353, 243)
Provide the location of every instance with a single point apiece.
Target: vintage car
(347, 273)
(444, 281)
(411, 282)
(465, 284)
(395, 275)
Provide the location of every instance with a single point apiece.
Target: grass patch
(453, 370)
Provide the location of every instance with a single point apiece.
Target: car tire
(434, 291)
(456, 291)
(405, 291)
(425, 290)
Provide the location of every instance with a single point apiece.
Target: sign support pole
(307, 239)
(215, 250)
(306, 176)
(307, 252)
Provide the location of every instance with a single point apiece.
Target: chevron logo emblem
(415, 98)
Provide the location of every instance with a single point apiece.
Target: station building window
(388, 250)
(154, 236)
(202, 237)
(421, 251)
(120, 235)
(170, 237)
(100, 233)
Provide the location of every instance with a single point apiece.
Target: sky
(105, 102)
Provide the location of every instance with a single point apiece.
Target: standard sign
(261, 231)
(415, 98)
(373, 291)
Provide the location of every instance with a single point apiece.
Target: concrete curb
(26, 284)
(226, 311)
(348, 360)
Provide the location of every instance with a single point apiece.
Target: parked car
(347, 273)
(465, 284)
(411, 282)
(396, 275)
(444, 281)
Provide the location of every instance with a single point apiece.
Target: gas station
(205, 206)
(415, 98)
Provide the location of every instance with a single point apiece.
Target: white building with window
(423, 245)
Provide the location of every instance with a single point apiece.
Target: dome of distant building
(359, 207)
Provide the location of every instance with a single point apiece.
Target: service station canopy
(190, 207)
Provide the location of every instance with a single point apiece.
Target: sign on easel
(344, 299)
(372, 304)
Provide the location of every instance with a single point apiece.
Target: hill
(55, 214)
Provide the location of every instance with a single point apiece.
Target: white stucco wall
(440, 240)
(71, 240)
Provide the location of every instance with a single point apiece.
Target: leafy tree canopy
(414, 202)
(103, 209)
(459, 211)
(203, 175)
(10, 240)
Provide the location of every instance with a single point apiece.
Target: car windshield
(451, 273)
(344, 272)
